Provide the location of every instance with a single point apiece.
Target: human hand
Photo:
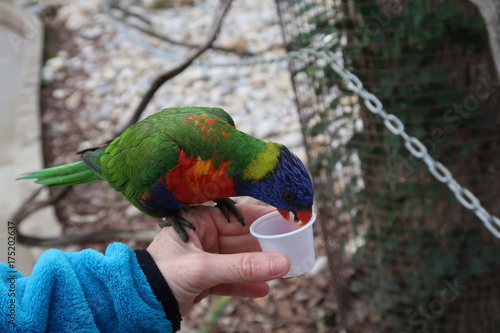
(220, 258)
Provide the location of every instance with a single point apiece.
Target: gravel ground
(94, 77)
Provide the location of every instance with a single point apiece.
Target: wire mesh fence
(405, 255)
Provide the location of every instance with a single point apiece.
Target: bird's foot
(178, 223)
(227, 205)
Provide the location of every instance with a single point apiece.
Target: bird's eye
(288, 196)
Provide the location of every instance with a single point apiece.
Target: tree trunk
(490, 10)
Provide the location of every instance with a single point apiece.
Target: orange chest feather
(194, 180)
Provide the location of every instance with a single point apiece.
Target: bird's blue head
(287, 186)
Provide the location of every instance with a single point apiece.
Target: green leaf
(216, 311)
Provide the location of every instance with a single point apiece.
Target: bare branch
(129, 13)
(165, 38)
(146, 235)
(29, 206)
(161, 79)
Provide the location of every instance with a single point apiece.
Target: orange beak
(305, 216)
(284, 213)
(302, 216)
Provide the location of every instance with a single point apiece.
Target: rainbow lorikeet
(190, 155)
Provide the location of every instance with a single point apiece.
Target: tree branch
(146, 235)
(490, 10)
(161, 79)
(129, 13)
(165, 38)
(29, 206)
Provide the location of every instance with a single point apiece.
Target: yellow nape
(264, 163)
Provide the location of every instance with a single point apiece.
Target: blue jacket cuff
(160, 288)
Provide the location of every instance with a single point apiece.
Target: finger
(238, 244)
(209, 219)
(204, 217)
(249, 212)
(249, 290)
(253, 212)
(242, 268)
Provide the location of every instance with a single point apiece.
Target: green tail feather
(64, 175)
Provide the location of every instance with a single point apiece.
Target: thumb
(246, 267)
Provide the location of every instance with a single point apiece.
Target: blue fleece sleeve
(84, 291)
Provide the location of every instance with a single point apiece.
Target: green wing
(132, 162)
(179, 113)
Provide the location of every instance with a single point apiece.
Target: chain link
(416, 147)
(392, 122)
(374, 105)
(372, 102)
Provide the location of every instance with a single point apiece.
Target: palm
(213, 235)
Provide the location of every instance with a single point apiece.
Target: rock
(85, 145)
(61, 127)
(103, 89)
(63, 54)
(75, 16)
(259, 94)
(302, 295)
(108, 73)
(90, 5)
(104, 125)
(238, 43)
(292, 139)
(263, 129)
(126, 74)
(59, 76)
(92, 32)
(77, 20)
(74, 100)
(66, 11)
(244, 90)
(48, 74)
(56, 63)
(131, 211)
(104, 113)
(51, 70)
(59, 93)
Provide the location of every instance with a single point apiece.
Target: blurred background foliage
(397, 239)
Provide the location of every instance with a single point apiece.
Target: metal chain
(414, 145)
(374, 105)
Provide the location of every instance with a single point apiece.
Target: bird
(185, 156)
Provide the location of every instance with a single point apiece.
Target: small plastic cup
(276, 234)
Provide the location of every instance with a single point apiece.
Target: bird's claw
(227, 205)
(178, 223)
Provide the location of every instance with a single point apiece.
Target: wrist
(160, 288)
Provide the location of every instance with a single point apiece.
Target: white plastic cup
(275, 234)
